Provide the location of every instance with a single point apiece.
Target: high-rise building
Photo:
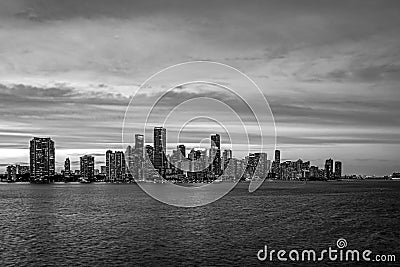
(252, 161)
(134, 159)
(194, 157)
(67, 166)
(177, 160)
(314, 172)
(321, 174)
(103, 170)
(139, 142)
(338, 169)
(263, 165)
(110, 166)
(182, 150)
(42, 159)
(87, 167)
(329, 169)
(115, 166)
(216, 154)
(120, 169)
(160, 144)
(277, 156)
(149, 172)
(289, 170)
(233, 170)
(276, 165)
(11, 173)
(197, 165)
(130, 158)
(226, 157)
(150, 153)
(239, 169)
(305, 170)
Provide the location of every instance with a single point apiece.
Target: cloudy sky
(329, 69)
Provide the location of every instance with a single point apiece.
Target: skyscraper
(150, 152)
(329, 169)
(134, 161)
(263, 165)
(110, 166)
(226, 157)
(278, 156)
(11, 173)
(103, 170)
(120, 169)
(160, 143)
(314, 172)
(252, 162)
(42, 159)
(276, 165)
(182, 150)
(148, 163)
(193, 156)
(139, 142)
(338, 169)
(115, 166)
(177, 160)
(239, 169)
(87, 167)
(67, 166)
(216, 153)
(130, 158)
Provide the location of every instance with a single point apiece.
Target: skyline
(215, 143)
(203, 165)
(330, 72)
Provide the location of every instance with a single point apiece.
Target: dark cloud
(363, 74)
(28, 14)
(336, 111)
(27, 93)
(378, 138)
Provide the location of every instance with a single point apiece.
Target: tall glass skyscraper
(276, 165)
(182, 150)
(150, 153)
(329, 169)
(67, 165)
(216, 153)
(338, 169)
(110, 166)
(278, 156)
(226, 157)
(87, 167)
(120, 164)
(139, 142)
(42, 159)
(160, 144)
(115, 166)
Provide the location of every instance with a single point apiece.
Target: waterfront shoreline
(201, 184)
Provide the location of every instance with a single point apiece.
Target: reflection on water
(108, 224)
(185, 196)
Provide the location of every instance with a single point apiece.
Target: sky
(330, 71)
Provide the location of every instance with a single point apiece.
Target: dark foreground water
(104, 224)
